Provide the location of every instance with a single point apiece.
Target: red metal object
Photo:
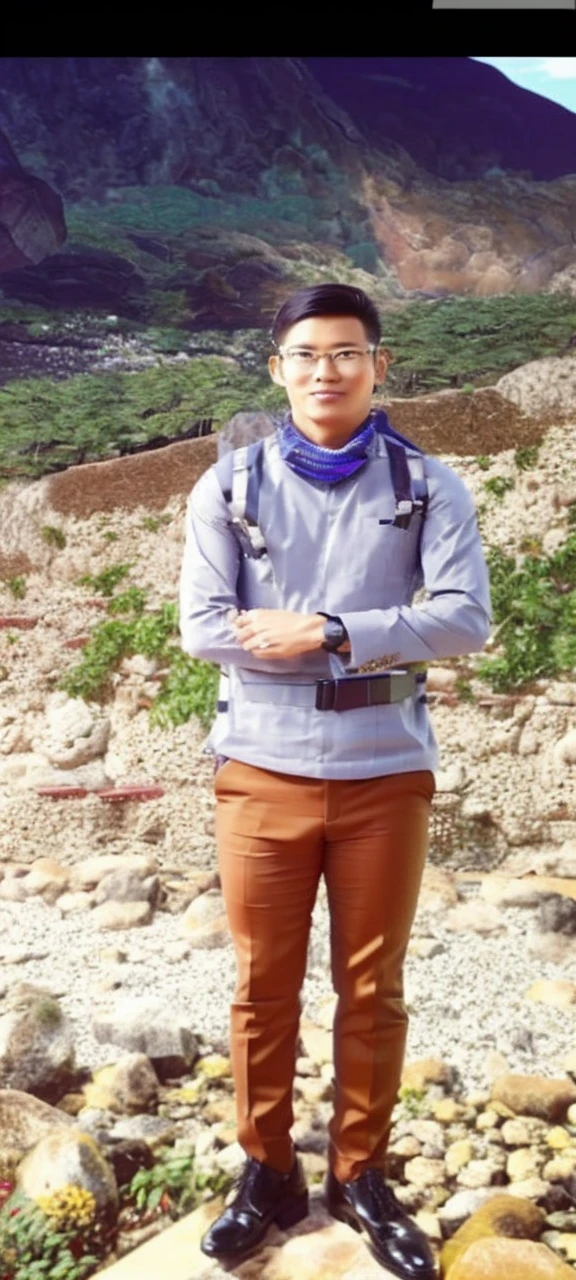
(135, 791)
(63, 793)
(18, 621)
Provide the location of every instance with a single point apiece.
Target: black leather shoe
(367, 1204)
(264, 1196)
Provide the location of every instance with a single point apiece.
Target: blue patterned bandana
(314, 462)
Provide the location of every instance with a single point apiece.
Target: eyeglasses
(348, 358)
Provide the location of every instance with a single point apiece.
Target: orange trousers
(277, 834)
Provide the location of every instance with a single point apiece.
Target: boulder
(125, 885)
(89, 874)
(24, 1120)
(535, 1096)
(74, 733)
(36, 1043)
(126, 1087)
(68, 1158)
(143, 1025)
(557, 914)
(502, 1215)
(514, 1259)
(122, 915)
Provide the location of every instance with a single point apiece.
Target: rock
(426, 948)
(69, 1158)
(523, 1131)
(523, 1163)
(74, 734)
(438, 890)
(122, 915)
(558, 992)
(458, 1154)
(453, 778)
(515, 1259)
(504, 892)
(502, 1215)
(214, 1066)
(24, 1120)
(73, 903)
(316, 1042)
(480, 917)
(128, 886)
(128, 1157)
(482, 1173)
(127, 1087)
(556, 947)
(559, 1138)
(565, 748)
(458, 1207)
(424, 1172)
(562, 1167)
(143, 1025)
(557, 914)
(48, 878)
(89, 873)
(425, 1071)
(204, 922)
(535, 1095)
(36, 1044)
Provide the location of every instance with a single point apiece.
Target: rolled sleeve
(456, 616)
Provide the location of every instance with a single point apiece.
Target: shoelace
(383, 1195)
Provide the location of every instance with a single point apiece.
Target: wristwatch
(335, 632)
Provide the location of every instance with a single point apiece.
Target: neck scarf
(314, 462)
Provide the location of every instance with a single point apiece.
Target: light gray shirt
(327, 551)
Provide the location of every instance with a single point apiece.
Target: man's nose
(325, 364)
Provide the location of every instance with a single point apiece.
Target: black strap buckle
(364, 691)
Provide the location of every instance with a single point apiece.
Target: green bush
(499, 485)
(17, 586)
(534, 605)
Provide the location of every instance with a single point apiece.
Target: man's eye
(346, 355)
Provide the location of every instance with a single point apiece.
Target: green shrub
(17, 586)
(499, 485)
(527, 456)
(33, 1246)
(53, 536)
(534, 606)
(105, 581)
(483, 462)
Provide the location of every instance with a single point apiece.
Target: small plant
(35, 1245)
(48, 1012)
(53, 536)
(17, 586)
(133, 598)
(527, 456)
(530, 546)
(464, 689)
(171, 1186)
(154, 523)
(105, 581)
(572, 515)
(412, 1098)
(110, 536)
(483, 462)
(499, 485)
(69, 1207)
(534, 606)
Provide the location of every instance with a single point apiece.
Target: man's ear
(381, 361)
(275, 370)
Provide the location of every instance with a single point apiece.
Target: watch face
(334, 633)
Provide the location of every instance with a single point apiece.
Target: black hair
(327, 300)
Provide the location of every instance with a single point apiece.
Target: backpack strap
(409, 484)
(240, 476)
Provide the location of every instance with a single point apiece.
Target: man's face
(329, 399)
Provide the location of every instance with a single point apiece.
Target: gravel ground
(465, 1002)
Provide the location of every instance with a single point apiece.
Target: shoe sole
(347, 1215)
(287, 1215)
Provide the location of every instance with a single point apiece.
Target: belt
(337, 695)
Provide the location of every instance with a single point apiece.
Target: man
(326, 778)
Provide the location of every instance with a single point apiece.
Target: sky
(554, 78)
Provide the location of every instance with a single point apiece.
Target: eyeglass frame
(284, 353)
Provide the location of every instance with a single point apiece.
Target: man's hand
(279, 633)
